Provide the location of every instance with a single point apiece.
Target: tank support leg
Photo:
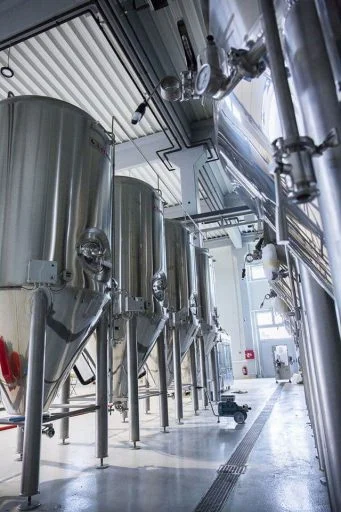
(102, 390)
(34, 400)
(161, 357)
(203, 371)
(177, 376)
(110, 375)
(147, 403)
(20, 442)
(65, 422)
(195, 398)
(133, 392)
(215, 375)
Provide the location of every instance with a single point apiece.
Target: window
(264, 318)
(273, 333)
(270, 325)
(257, 272)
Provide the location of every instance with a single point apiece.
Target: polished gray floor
(172, 471)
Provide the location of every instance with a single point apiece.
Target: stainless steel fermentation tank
(55, 232)
(140, 272)
(207, 311)
(208, 333)
(181, 295)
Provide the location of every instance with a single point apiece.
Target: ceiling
(86, 61)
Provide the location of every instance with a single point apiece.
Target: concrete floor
(172, 471)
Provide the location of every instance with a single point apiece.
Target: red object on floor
(7, 427)
(4, 363)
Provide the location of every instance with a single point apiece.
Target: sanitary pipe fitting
(293, 157)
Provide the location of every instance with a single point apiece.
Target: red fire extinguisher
(244, 370)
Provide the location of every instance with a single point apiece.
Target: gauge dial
(203, 79)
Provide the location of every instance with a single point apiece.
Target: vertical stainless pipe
(20, 441)
(278, 72)
(203, 371)
(65, 422)
(314, 83)
(147, 402)
(161, 357)
(177, 375)
(326, 352)
(215, 377)
(110, 374)
(133, 391)
(102, 390)
(34, 396)
(311, 385)
(195, 398)
(301, 166)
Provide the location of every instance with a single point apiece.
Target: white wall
(232, 304)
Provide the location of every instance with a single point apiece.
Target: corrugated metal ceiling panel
(74, 62)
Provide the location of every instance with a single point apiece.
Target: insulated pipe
(133, 391)
(203, 370)
(65, 422)
(20, 441)
(102, 390)
(34, 397)
(177, 375)
(195, 398)
(300, 161)
(161, 358)
(215, 378)
(317, 97)
(326, 352)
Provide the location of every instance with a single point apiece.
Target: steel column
(133, 392)
(203, 370)
(215, 377)
(177, 375)
(326, 352)
(102, 390)
(34, 398)
(161, 357)
(195, 398)
(65, 422)
(316, 93)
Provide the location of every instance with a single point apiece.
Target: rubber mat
(228, 473)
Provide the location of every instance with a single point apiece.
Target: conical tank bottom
(72, 315)
(148, 330)
(186, 332)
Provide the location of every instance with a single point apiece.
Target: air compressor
(227, 407)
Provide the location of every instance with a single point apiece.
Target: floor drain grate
(228, 474)
(232, 469)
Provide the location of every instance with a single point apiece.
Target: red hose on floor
(7, 427)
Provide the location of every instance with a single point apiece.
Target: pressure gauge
(203, 79)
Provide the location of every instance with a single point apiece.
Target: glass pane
(257, 272)
(264, 318)
(278, 318)
(273, 333)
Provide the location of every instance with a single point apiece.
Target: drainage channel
(228, 473)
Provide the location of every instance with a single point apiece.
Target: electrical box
(42, 271)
